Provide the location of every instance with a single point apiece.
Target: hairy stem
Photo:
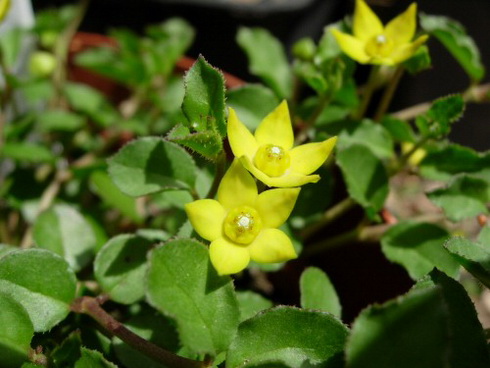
(389, 93)
(61, 52)
(367, 93)
(91, 306)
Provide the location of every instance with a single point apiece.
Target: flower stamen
(242, 224)
(272, 160)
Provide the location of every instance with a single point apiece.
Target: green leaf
(419, 62)
(60, 120)
(365, 175)
(63, 230)
(400, 130)
(444, 163)
(68, 352)
(207, 143)
(252, 103)
(170, 40)
(328, 47)
(317, 292)
(91, 102)
(120, 268)
(41, 282)
(369, 134)
(468, 346)
(204, 100)
(288, 337)
(16, 332)
(474, 257)
(182, 284)
(465, 197)
(454, 37)
(251, 303)
(436, 122)
(149, 165)
(267, 59)
(418, 247)
(153, 327)
(113, 197)
(26, 152)
(93, 359)
(407, 332)
(6, 249)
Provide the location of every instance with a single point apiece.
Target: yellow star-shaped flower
(4, 8)
(269, 154)
(371, 43)
(242, 224)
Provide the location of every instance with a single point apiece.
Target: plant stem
(475, 94)
(61, 52)
(368, 234)
(91, 306)
(367, 93)
(220, 172)
(330, 215)
(389, 93)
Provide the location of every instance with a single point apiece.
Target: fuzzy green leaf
(418, 247)
(267, 59)
(288, 337)
(446, 162)
(16, 332)
(400, 130)
(208, 143)
(149, 165)
(317, 292)
(120, 268)
(204, 100)
(367, 133)
(365, 175)
(63, 230)
(454, 37)
(434, 325)
(465, 197)
(93, 359)
(252, 103)
(183, 285)
(436, 122)
(474, 257)
(42, 282)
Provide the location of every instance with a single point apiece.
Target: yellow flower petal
(289, 179)
(366, 23)
(272, 246)
(402, 28)
(228, 257)
(353, 47)
(4, 8)
(306, 158)
(275, 205)
(406, 51)
(276, 128)
(237, 188)
(242, 142)
(206, 217)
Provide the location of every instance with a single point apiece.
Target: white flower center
(381, 39)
